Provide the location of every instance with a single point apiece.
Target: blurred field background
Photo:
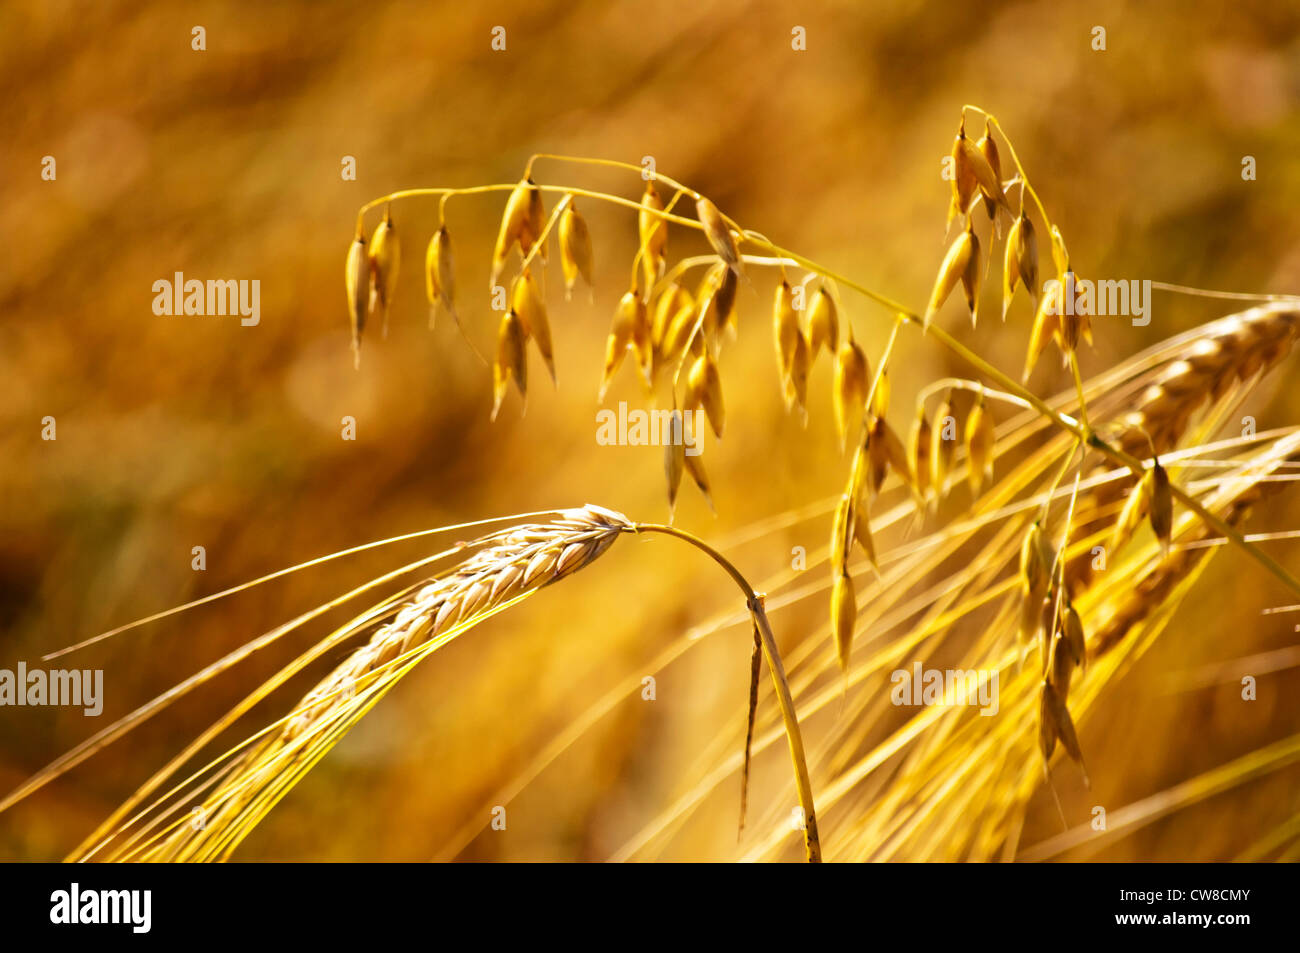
(175, 432)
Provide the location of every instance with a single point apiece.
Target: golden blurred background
(183, 431)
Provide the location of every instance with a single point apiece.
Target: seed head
(1021, 262)
(719, 234)
(526, 301)
(823, 324)
(704, 388)
(653, 231)
(844, 613)
(961, 258)
(357, 280)
(575, 247)
(850, 395)
(786, 330)
(385, 256)
(511, 361)
(521, 224)
(440, 276)
(980, 440)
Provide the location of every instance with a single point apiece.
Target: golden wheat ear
(232, 793)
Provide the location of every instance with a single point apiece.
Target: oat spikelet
(918, 455)
(1046, 324)
(716, 299)
(844, 613)
(653, 231)
(718, 233)
(526, 301)
(704, 389)
(440, 276)
(357, 280)
(989, 150)
(674, 458)
(823, 324)
(980, 440)
(943, 444)
(851, 382)
(630, 327)
(1135, 508)
(575, 247)
(521, 224)
(884, 450)
(385, 256)
(1056, 724)
(786, 330)
(960, 264)
(1020, 265)
(511, 361)
(880, 399)
(695, 467)
(796, 389)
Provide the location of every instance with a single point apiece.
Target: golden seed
(980, 441)
(440, 275)
(823, 324)
(1052, 709)
(575, 247)
(1021, 262)
(653, 232)
(989, 150)
(385, 256)
(718, 233)
(704, 388)
(956, 265)
(627, 316)
(357, 279)
(526, 301)
(695, 467)
(521, 223)
(862, 531)
(880, 399)
(785, 327)
(512, 361)
(1046, 323)
(844, 612)
(943, 443)
(674, 457)
(918, 455)
(1135, 508)
(850, 394)
(796, 391)
(842, 533)
(1072, 629)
